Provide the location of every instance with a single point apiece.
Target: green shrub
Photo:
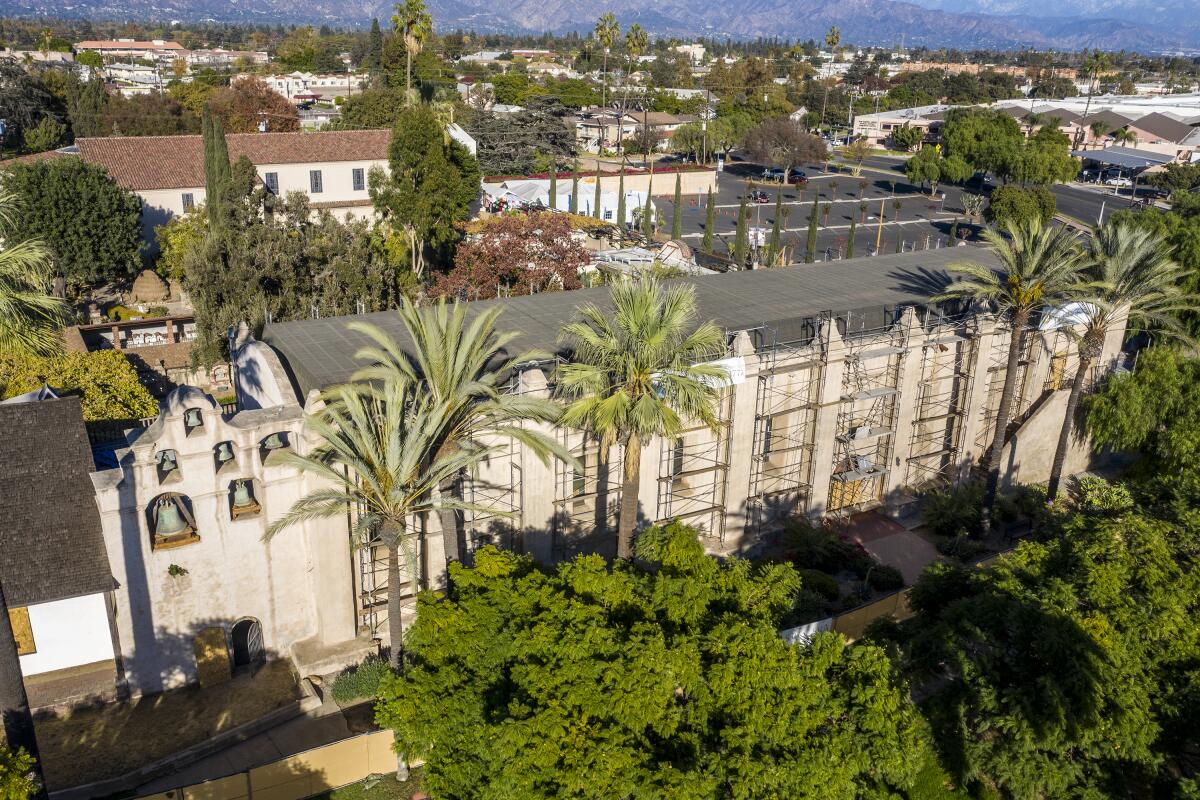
(360, 681)
(954, 510)
(1015, 204)
(884, 578)
(962, 547)
(1097, 496)
(1025, 502)
(819, 583)
(815, 547)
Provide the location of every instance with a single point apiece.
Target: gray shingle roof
(320, 352)
(51, 546)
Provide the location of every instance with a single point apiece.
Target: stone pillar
(977, 396)
(908, 385)
(741, 447)
(537, 481)
(828, 403)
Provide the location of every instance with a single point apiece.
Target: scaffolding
(692, 474)
(866, 422)
(372, 560)
(996, 370)
(493, 490)
(946, 373)
(587, 498)
(788, 394)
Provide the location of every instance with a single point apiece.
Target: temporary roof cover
(1125, 157)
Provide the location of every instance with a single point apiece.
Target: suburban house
(877, 128)
(132, 49)
(1160, 133)
(595, 131)
(1110, 119)
(298, 86)
(551, 69)
(54, 565)
(847, 391)
(665, 125)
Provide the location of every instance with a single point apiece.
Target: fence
(302, 775)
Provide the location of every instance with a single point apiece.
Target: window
(677, 457)
(579, 477)
(608, 214)
(768, 435)
(271, 179)
(314, 181)
(189, 202)
(360, 179)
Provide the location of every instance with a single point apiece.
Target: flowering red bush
(515, 254)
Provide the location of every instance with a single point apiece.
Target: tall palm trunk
(632, 471)
(451, 520)
(1003, 414)
(14, 703)
(394, 541)
(603, 87)
(407, 72)
(1088, 351)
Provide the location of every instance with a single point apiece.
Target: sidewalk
(322, 726)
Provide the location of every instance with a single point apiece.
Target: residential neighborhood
(398, 411)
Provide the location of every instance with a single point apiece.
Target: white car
(1118, 180)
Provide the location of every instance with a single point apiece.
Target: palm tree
(1040, 266)
(29, 317)
(607, 31)
(1093, 65)
(1125, 136)
(462, 366)
(1098, 129)
(378, 451)
(636, 373)
(1133, 274)
(635, 45)
(413, 21)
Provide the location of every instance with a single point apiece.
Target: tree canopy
(105, 381)
(90, 224)
(663, 680)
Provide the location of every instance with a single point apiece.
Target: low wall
(302, 775)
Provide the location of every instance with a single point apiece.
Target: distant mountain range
(1154, 26)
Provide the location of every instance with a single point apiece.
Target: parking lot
(911, 218)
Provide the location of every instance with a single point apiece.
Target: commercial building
(877, 128)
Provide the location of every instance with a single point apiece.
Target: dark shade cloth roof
(1162, 126)
(51, 546)
(1124, 157)
(319, 353)
(1064, 115)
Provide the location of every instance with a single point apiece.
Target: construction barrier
(302, 775)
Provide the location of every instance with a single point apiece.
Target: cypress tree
(710, 220)
(648, 218)
(850, 246)
(739, 238)
(216, 168)
(374, 59)
(596, 212)
(574, 192)
(677, 216)
(776, 229)
(621, 200)
(810, 249)
(554, 186)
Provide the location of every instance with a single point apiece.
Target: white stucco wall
(68, 633)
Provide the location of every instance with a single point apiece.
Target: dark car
(797, 176)
(758, 196)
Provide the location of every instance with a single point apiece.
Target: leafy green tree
(637, 372)
(1015, 205)
(681, 686)
(906, 137)
(1132, 274)
(90, 224)
(375, 107)
(29, 317)
(90, 58)
(1044, 159)
(710, 222)
(249, 101)
(1052, 666)
(987, 139)
(46, 135)
(181, 235)
(780, 143)
(85, 105)
(461, 367)
(928, 166)
(217, 170)
(431, 184)
(373, 60)
(24, 101)
(1041, 266)
(16, 770)
(105, 381)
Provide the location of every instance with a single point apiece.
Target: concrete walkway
(294, 736)
(893, 545)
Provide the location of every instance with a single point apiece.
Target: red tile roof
(177, 162)
(113, 44)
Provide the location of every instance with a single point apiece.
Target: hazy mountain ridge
(861, 21)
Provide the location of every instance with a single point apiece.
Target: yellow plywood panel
(854, 622)
(22, 630)
(234, 787)
(212, 657)
(381, 755)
